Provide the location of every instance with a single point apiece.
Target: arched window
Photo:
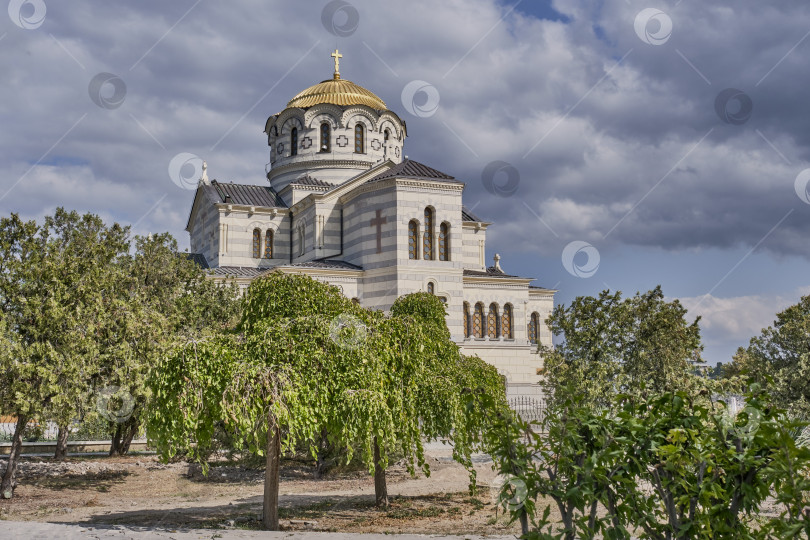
(359, 139)
(386, 136)
(294, 142)
(466, 319)
(413, 239)
(268, 244)
(326, 130)
(301, 239)
(534, 327)
(478, 320)
(444, 242)
(506, 322)
(428, 241)
(493, 325)
(257, 243)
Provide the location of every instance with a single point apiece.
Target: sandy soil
(139, 490)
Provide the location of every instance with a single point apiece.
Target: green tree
(663, 466)
(165, 300)
(612, 345)
(81, 266)
(53, 280)
(779, 358)
(305, 360)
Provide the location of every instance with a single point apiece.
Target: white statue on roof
(204, 178)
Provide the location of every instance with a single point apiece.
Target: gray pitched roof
(329, 265)
(491, 272)
(243, 194)
(197, 258)
(237, 271)
(538, 288)
(307, 180)
(413, 169)
(467, 215)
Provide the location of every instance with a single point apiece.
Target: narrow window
(325, 137)
(257, 243)
(413, 239)
(428, 241)
(506, 322)
(294, 142)
(444, 242)
(430, 288)
(466, 319)
(359, 139)
(478, 320)
(492, 322)
(301, 239)
(386, 136)
(268, 244)
(534, 327)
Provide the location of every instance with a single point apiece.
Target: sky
(614, 144)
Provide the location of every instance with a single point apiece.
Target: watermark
(185, 170)
(340, 18)
(348, 332)
(107, 90)
(509, 491)
(115, 404)
(572, 257)
(802, 186)
(500, 178)
(653, 26)
(733, 106)
(27, 14)
(420, 98)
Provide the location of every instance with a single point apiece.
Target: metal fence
(529, 408)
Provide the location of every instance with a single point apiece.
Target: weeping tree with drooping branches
(305, 361)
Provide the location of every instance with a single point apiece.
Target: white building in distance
(345, 206)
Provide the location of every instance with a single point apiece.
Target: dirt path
(141, 492)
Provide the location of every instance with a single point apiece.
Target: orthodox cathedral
(346, 206)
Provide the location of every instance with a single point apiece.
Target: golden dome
(337, 92)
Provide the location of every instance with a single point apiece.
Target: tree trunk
(380, 486)
(7, 485)
(61, 444)
(129, 434)
(271, 476)
(115, 443)
(524, 521)
(323, 453)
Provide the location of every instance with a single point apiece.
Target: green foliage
(612, 345)
(664, 466)
(80, 313)
(55, 283)
(779, 358)
(165, 300)
(424, 307)
(310, 361)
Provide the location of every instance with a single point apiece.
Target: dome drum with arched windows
(334, 130)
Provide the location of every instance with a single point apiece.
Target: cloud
(735, 320)
(617, 141)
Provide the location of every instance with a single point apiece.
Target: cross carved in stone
(378, 222)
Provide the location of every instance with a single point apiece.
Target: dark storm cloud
(604, 129)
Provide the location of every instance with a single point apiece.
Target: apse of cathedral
(343, 204)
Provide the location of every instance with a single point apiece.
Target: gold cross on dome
(337, 56)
